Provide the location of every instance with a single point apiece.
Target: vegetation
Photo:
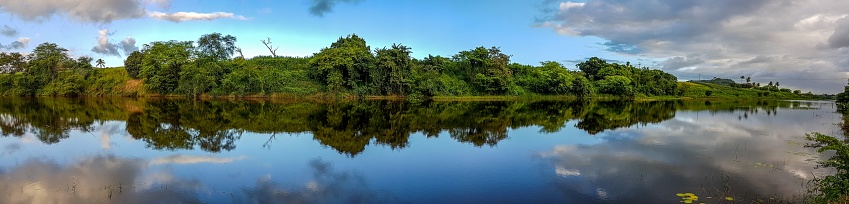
(349, 67)
(832, 188)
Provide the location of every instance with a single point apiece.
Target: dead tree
(271, 49)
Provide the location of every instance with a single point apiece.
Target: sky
(803, 44)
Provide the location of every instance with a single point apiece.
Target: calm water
(180, 151)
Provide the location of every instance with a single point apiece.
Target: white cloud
(806, 45)
(190, 16)
(21, 43)
(97, 11)
(128, 45)
(103, 46)
(101, 11)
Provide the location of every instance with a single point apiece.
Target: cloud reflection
(110, 179)
(710, 156)
(188, 159)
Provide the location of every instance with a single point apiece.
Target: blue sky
(805, 48)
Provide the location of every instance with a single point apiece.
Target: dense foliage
(348, 67)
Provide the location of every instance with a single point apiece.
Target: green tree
(162, 64)
(843, 97)
(216, 47)
(486, 68)
(616, 85)
(591, 67)
(12, 62)
(133, 64)
(344, 65)
(101, 63)
(45, 62)
(393, 70)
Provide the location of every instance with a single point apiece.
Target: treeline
(347, 67)
(771, 87)
(349, 127)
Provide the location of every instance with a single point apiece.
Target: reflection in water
(348, 127)
(109, 179)
(93, 180)
(327, 186)
(716, 157)
(183, 151)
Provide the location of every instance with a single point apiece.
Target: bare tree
(239, 50)
(271, 49)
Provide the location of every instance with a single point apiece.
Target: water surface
(155, 150)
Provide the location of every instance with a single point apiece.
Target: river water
(60, 150)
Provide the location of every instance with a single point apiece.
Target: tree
(486, 68)
(591, 67)
(101, 63)
(843, 97)
(345, 65)
(162, 64)
(45, 62)
(12, 62)
(133, 64)
(271, 49)
(748, 79)
(392, 74)
(216, 47)
(741, 79)
(777, 84)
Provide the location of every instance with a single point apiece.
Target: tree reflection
(348, 127)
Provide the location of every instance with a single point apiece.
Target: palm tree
(100, 63)
(741, 79)
(748, 79)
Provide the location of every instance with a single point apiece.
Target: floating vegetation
(687, 197)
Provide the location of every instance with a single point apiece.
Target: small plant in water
(687, 197)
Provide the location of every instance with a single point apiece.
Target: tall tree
(393, 70)
(162, 64)
(344, 65)
(591, 67)
(101, 63)
(486, 68)
(216, 47)
(133, 64)
(12, 62)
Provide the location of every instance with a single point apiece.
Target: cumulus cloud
(192, 16)
(8, 31)
(128, 45)
(109, 48)
(21, 43)
(809, 39)
(103, 46)
(321, 7)
(679, 62)
(840, 38)
(97, 11)
(101, 11)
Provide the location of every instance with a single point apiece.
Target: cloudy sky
(804, 44)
